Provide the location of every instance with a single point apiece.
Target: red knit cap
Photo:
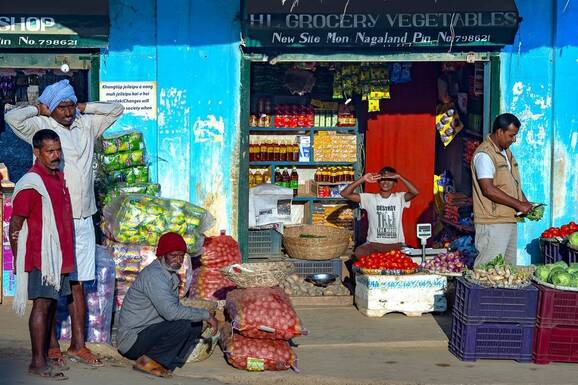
(170, 242)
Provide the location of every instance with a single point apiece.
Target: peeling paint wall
(538, 84)
(191, 50)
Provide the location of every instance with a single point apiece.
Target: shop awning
(53, 24)
(379, 24)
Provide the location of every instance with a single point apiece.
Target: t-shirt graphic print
(384, 217)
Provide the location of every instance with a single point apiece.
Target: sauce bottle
(286, 178)
(263, 151)
(294, 183)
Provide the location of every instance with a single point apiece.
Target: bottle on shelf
(251, 178)
(286, 178)
(263, 151)
(294, 183)
(317, 175)
(283, 151)
(251, 150)
(295, 151)
(276, 151)
(258, 177)
(278, 177)
(270, 150)
(267, 175)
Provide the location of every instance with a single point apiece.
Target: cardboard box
(308, 189)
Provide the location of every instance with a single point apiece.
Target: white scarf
(51, 253)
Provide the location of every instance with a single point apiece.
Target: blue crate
(551, 251)
(305, 267)
(496, 341)
(476, 304)
(265, 243)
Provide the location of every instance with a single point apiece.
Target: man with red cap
(154, 328)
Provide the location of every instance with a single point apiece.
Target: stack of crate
(493, 323)
(556, 326)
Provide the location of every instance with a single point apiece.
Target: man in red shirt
(42, 240)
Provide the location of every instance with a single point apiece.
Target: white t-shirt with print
(384, 217)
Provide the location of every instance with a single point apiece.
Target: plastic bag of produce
(142, 219)
(152, 189)
(256, 354)
(120, 160)
(205, 347)
(99, 295)
(263, 313)
(210, 284)
(129, 176)
(126, 141)
(220, 251)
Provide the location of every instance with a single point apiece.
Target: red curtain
(402, 135)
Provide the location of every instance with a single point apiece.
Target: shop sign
(43, 24)
(137, 98)
(377, 24)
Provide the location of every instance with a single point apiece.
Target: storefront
(41, 43)
(367, 87)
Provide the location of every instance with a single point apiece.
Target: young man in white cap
(78, 125)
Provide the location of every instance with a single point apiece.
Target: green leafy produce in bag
(120, 160)
(131, 141)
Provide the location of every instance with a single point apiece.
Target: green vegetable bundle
(142, 219)
(536, 213)
(129, 176)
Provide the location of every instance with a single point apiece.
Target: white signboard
(138, 98)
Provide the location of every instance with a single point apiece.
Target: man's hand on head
(371, 178)
(43, 109)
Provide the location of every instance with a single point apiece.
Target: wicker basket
(261, 274)
(334, 243)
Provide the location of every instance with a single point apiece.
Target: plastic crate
(496, 341)
(305, 267)
(557, 307)
(476, 304)
(558, 343)
(264, 243)
(570, 254)
(551, 251)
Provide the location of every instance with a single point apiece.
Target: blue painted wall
(538, 83)
(191, 50)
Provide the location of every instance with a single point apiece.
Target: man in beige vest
(497, 192)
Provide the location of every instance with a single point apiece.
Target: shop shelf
(283, 163)
(497, 341)
(477, 304)
(558, 344)
(551, 251)
(291, 131)
(557, 307)
(305, 267)
(264, 243)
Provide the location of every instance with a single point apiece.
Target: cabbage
(561, 263)
(542, 273)
(572, 269)
(573, 239)
(562, 278)
(554, 270)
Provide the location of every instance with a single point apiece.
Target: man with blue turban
(78, 125)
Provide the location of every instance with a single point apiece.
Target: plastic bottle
(295, 151)
(258, 177)
(286, 178)
(270, 150)
(251, 179)
(278, 177)
(264, 151)
(283, 151)
(276, 152)
(294, 183)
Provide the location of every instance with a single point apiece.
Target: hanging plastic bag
(263, 313)
(257, 354)
(220, 251)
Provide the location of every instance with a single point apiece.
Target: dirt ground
(344, 347)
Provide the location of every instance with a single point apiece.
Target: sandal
(57, 359)
(85, 356)
(153, 368)
(48, 373)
